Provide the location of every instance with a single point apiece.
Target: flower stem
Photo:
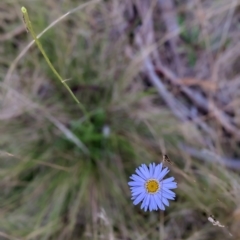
(30, 29)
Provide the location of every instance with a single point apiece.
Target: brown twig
(144, 39)
(200, 101)
(177, 108)
(208, 156)
(170, 19)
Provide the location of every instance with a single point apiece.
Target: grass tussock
(64, 172)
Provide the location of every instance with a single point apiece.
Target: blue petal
(171, 185)
(159, 202)
(144, 201)
(137, 191)
(154, 166)
(141, 188)
(155, 201)
(135, 184)
(147, 203)
(163, 173)
(136, 178)
(169, 192)
(163, 207)
(134, 189)
(167, 195)
(165, 201)
(144, 167)
(161, 165)
(150, 203)
(154, 204)
(139, 198)
(167, 180)
(156, 171)
(146, 170)
(151, 170)
(140, 174)
(135, 194)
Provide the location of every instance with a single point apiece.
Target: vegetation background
(154, 77)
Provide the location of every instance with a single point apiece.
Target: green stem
(30, 29)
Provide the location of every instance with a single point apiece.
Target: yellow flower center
(152, 186)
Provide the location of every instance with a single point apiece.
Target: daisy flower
(148, 187)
